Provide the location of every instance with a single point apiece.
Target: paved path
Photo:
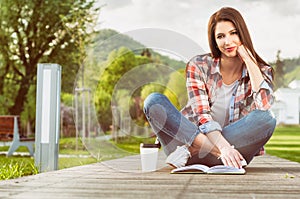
(267, 177)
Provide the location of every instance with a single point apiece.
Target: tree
(176, 90)
(34, 31)
(151, 88)
(280, 72)
(118, 63)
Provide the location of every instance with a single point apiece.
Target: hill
(107, 40)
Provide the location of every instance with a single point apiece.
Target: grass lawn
(17, 166)
(285, 143)
(132, 144)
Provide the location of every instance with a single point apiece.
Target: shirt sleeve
(264, 98)
(198, 97)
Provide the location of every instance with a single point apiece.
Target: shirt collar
(216, 68)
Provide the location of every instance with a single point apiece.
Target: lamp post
(47, 117)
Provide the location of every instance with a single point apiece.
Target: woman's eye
(220, 36)
(234, 33)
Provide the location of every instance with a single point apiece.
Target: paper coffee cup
(149, 155)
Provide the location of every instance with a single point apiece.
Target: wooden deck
(267, 177)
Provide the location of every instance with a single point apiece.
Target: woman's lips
(230, 49)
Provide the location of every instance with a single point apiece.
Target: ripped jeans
(248, 135)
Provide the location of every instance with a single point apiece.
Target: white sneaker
(179, 157)
(244, 163)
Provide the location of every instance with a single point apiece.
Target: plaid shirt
(203, 78)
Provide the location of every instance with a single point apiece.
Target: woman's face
(227, 38)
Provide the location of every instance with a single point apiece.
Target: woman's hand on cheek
(244, 53)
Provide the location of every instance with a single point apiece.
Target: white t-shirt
(220, 107)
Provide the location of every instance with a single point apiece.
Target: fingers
(241, 51)
(232, 159)
(244, 53)
(232, 162)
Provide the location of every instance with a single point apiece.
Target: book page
(221, 169)
(195, 168)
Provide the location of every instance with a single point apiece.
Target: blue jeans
(248, 135)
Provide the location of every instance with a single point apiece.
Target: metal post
(89, 113)
(76, 117)
(83, 117)
(47, 117)
(85, 127)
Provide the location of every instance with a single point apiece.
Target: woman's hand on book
(231, 157)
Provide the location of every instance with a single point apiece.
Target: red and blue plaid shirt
(203, 78)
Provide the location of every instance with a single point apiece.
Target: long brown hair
(232, 15)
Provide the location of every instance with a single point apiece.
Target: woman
(227, 118)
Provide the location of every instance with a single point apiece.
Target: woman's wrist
(219, 141)
(225, 148)
(249, 61)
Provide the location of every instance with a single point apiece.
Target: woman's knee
(265, 118)
(153, 98)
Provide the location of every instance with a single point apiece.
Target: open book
(200, 168)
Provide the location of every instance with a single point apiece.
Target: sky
(273, 24)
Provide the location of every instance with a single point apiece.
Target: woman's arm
(255, 74)
(260, 78)
(196, 78)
